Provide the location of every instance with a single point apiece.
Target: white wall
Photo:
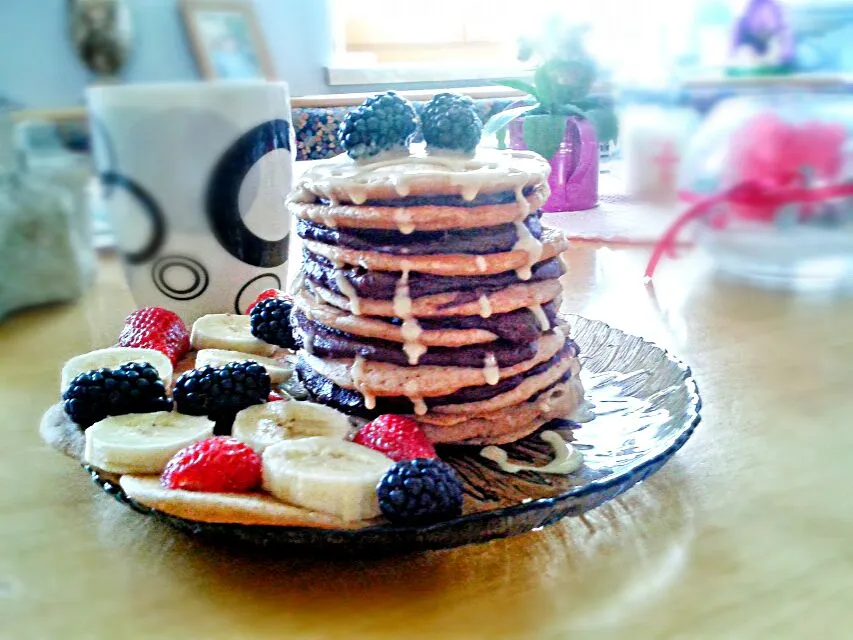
(38, 67)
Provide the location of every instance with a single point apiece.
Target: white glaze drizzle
(567, 459)
(298, 282)
(349, 292)
(356, 193)
(402, 303)
(413, 394)
(485, 306)
(329, 194)
(401, 186)
(481, 263)
(357, 375)
(413, 348)
(490, 369)
(541, 317)
(419, 404)
(410, 329)
(529, 244)
(403, 218)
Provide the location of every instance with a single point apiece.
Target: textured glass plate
(645, 405)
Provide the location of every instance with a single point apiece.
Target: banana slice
(228, 331)
(142, 442)
(262, 425)
(112, 358)
(278, 371)
(326, 474)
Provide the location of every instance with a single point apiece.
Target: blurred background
(646, 76)
(335, 46)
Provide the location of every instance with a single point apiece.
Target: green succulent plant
(561, 84)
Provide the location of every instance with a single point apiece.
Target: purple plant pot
(574, 167)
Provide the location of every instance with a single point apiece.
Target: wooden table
(747, 533)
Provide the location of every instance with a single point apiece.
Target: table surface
(746, 533)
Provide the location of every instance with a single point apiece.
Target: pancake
(351, 401)
(553, 243)
(329, 343)
(513, 423)
(340, 179)
(463, 303)
(521, 325)
(384, 379)
(430, 288)
(424, 217)
(382, 285)
(233, 508)
(479, 241)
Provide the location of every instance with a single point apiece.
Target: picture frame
(227, 40)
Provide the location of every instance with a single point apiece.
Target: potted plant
(559, 119)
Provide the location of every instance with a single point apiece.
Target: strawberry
(221, 464)
(156, 328)
(266, 295)
(398, 437)
(274, 396)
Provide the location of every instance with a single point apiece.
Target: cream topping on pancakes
(515, 169)
(357, 375)
(410, 329)
(349, 292)
(413, 394)
(404, 222)
(485, 306)
(529, 244)
(567, 459)
(541, 318)
(491, 372)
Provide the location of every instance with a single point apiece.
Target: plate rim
(693, 409)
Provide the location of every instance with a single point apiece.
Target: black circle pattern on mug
(111, 179)
(223, 191)
(200, 282)
(239, 307)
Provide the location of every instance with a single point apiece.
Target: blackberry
(381, 123)
(220, 392)
(135, 387)
(271, 322)
(450, 121)
(420, 491)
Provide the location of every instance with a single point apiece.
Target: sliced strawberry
(398, 437)
(221, 464)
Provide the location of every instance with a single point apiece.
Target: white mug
(194, 179)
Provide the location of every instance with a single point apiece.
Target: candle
(653, 142)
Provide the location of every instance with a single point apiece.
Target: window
(407, 41)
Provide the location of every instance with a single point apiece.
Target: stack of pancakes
(429, 287)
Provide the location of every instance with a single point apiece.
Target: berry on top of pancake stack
(429, 287)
